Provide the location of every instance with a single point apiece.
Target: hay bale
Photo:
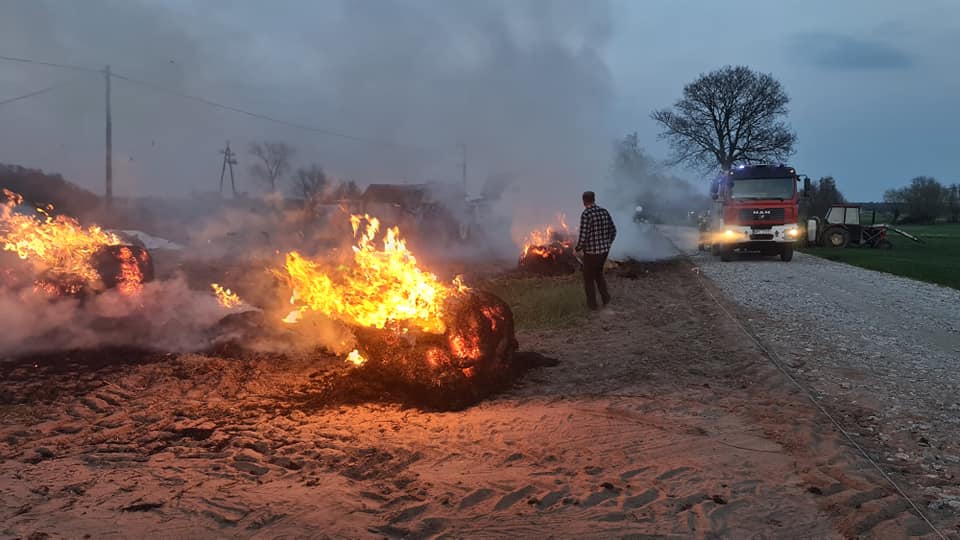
(123, 265)
(472, 359)
(554, 259)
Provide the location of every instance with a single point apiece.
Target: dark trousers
(593, 276)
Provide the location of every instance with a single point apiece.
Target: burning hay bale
(549, 252)
(474, 357)
(67, 258)
(438, 344)
(125, 267)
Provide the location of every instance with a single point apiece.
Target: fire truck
(756, 210)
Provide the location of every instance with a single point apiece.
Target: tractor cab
(843, 214)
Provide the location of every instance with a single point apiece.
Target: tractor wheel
(786, 254)
(726, 254)
(836, 237)
(884, 244)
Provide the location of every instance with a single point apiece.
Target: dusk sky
(536, 89)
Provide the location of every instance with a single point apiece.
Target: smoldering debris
(634, 269)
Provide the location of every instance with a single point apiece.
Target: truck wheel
(714, 249)
(726, 254)
(786, 255)
(836, 237)
(884, 244)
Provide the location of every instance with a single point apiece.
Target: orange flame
(226, 297)
(58, 247)
(356, 358)
(131, 277)
(538, 242)
(381, 286)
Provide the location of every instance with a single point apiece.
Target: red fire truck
(757, 209)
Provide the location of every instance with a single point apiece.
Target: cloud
(842, 52)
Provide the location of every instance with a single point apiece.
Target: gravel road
(880, 351)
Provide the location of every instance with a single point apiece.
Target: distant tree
(638, 180)
(346, 191)
(923, 201)
(630, 161)
(310, 183)
(634, 173)
(953, 203)
(731, 115)
(823, 194)
(272, 162)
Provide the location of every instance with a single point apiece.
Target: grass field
(541, 303)
(936, 261)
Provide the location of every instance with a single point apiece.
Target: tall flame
(58, 247)
(381, 286)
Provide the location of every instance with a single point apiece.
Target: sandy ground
(660, 421)
(878, 350)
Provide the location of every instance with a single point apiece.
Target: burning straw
(66, 258)
(549, 251)
(413, 331)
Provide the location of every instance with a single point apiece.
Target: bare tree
(273, 162)
(731, 115)
(346, 190)
(309, 183)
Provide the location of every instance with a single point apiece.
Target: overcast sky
(536, 89)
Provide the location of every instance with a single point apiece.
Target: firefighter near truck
(756, 209)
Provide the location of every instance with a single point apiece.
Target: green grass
(936, 261)
(540, 303)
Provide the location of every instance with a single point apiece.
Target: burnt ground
(659, 419)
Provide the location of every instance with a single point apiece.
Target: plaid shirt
(597, 231)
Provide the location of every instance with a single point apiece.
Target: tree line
(272, 164)
(925, 200)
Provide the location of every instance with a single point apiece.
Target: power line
(260, 116)
(50, 64)
(214, 104)
(38, 92)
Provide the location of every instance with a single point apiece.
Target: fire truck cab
(756, 209)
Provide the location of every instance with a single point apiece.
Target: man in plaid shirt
(597, 233)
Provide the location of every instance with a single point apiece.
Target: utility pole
(228, 161)
(109, 150)
(463, 168)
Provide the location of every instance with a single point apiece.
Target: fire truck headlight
(729, 233)
(793, 233)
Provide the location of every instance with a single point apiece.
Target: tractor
(842, 227)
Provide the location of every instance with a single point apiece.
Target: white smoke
(166, 315)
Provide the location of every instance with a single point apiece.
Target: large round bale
(473, 358)
(123, 266)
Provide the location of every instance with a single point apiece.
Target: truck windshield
(762, 188)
